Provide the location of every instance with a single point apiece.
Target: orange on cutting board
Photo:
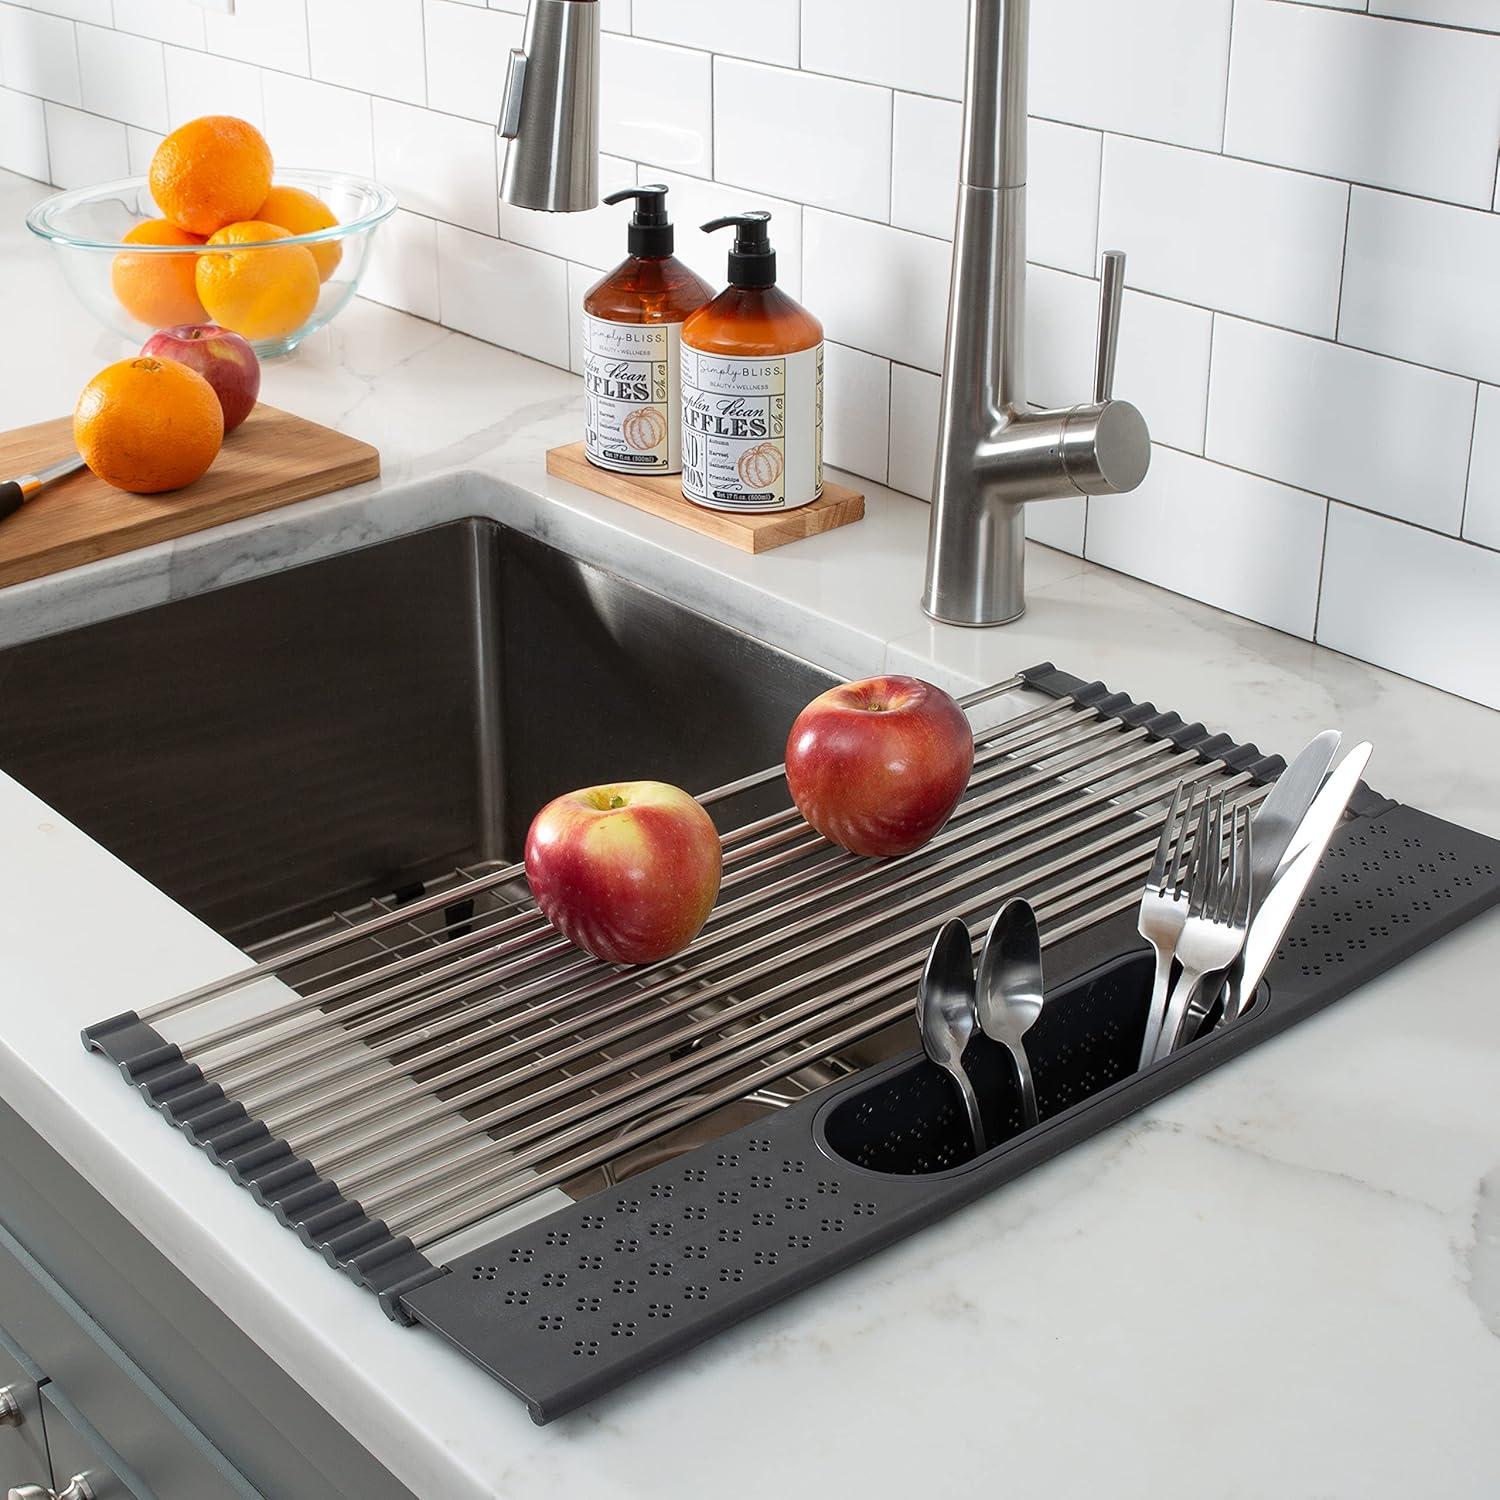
(160, 290)
(213, 171)
(148, 425)
(264, 291)
(300, 212)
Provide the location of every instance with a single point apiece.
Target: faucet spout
(995, 452)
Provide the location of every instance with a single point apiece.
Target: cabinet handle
(11, 1414)
(77, 1488)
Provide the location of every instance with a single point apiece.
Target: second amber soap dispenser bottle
(752, 387)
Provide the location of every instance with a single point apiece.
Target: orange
(299, 212)
(265, 291)
(211, 172)
(158, 289)
(148, 425)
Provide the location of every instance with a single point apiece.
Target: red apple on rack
(878, 766)
(627, 872)
(223, 359)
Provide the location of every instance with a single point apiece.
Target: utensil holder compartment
(909, 1121)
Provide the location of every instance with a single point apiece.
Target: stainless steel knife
(1307, 846)
(1275, 825)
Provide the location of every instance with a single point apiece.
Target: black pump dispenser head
(752, 262)
(651, 235)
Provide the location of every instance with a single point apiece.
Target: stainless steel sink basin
(283, 749)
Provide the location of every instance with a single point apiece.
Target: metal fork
(1164, 906)
(1218, 912)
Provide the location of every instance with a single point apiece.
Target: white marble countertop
(1283, 1280)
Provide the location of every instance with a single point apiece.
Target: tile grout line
(1463, 513)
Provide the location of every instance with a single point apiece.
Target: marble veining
(1283, 1280)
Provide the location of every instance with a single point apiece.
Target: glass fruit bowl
(273, 291)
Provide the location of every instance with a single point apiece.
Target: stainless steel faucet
(995, 452)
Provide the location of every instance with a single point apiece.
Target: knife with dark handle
(1308, 845)
(1275, 826)
(14, 493)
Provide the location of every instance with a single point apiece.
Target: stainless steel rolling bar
(230, 982)
(330, 1160)
(775, 1027)
(1122, 752)
(1001, 746)
(416, 1221)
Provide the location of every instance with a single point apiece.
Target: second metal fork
(1218, 913)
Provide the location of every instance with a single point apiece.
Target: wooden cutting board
(272, 459)
(662, 496)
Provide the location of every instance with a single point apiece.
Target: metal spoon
(1010, 990)
(945, 1013)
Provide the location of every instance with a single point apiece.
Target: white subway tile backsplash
(1233, 540)
(272, 33)
(1420, 283)
(766, 118)
(374, 45)
(39, 55)
(1233, 235)
(1423, 605)
(122, 77)
(1162, 367)
(198, 83)
(766, 32)
(693, 202)
(402, 269)
(656, 104)
(856, 402)
(882, 290)
(1062, 197)
(172, 21)
(1380, 434)
(504, 293)
(914, 422)
(438, 165)
(23, 135)
(96, 11)
(924, 170)
(311, 124)
(1480, 15)
(1383, 102)
(467, 51)
(580, 279)
(1482, 513)
(140, 147)
(882, 41)
(1061, 324)
(596, 238)
(83, 149)
(1152, 68)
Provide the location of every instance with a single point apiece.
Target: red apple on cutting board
(628, 872)
(878, 766)
(223, 359)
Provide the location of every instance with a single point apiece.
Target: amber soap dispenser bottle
(632, 346)
(752, 387)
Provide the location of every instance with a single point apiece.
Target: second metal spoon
(1010, 995)
(945, 1014)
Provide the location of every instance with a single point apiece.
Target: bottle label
(752, 430)
(632, 386)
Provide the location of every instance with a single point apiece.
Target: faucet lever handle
(1111, 296)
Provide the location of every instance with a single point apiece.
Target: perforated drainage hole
(484, 1273)
(590, 1262)
(591, 1221)
(695, 1293)
(659, 1310)
(586, 1347)
(586, 1305)
(551, 1323)
(731, 1273)
(517, 1298)
(622, 1330)
(625, 1284)
(555, 1278)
